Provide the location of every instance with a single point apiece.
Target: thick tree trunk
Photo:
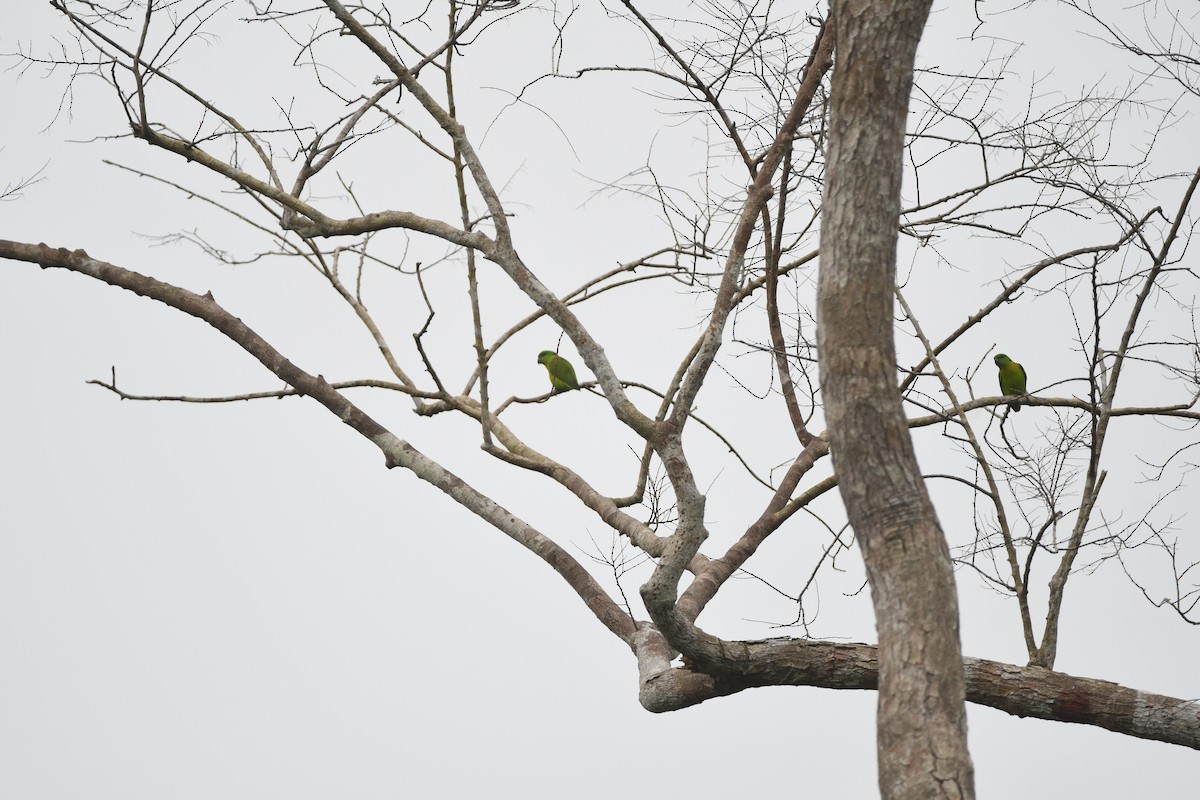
(922, 740)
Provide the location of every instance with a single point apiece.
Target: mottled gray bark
(922, 740)
(1027, 691)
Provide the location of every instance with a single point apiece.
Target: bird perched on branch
(562, 374)
(1012, 379)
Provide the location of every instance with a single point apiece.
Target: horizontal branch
(1180, 410)
(276, 394)
(311, 222)
(1020, 691)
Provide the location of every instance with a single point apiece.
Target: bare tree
(1078, 225)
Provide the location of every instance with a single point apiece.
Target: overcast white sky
(239, 601)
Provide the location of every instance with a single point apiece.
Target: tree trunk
(922, 739)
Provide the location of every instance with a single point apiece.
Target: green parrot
(1012, 379)
(562, 374)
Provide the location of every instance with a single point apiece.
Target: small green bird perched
(562, 374)
(1012, 379)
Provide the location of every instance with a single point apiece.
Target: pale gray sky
(239, 601)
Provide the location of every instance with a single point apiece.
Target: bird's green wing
(1012, 382)
(562, 374)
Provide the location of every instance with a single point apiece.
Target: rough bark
(921, 738)
(1023, 691)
